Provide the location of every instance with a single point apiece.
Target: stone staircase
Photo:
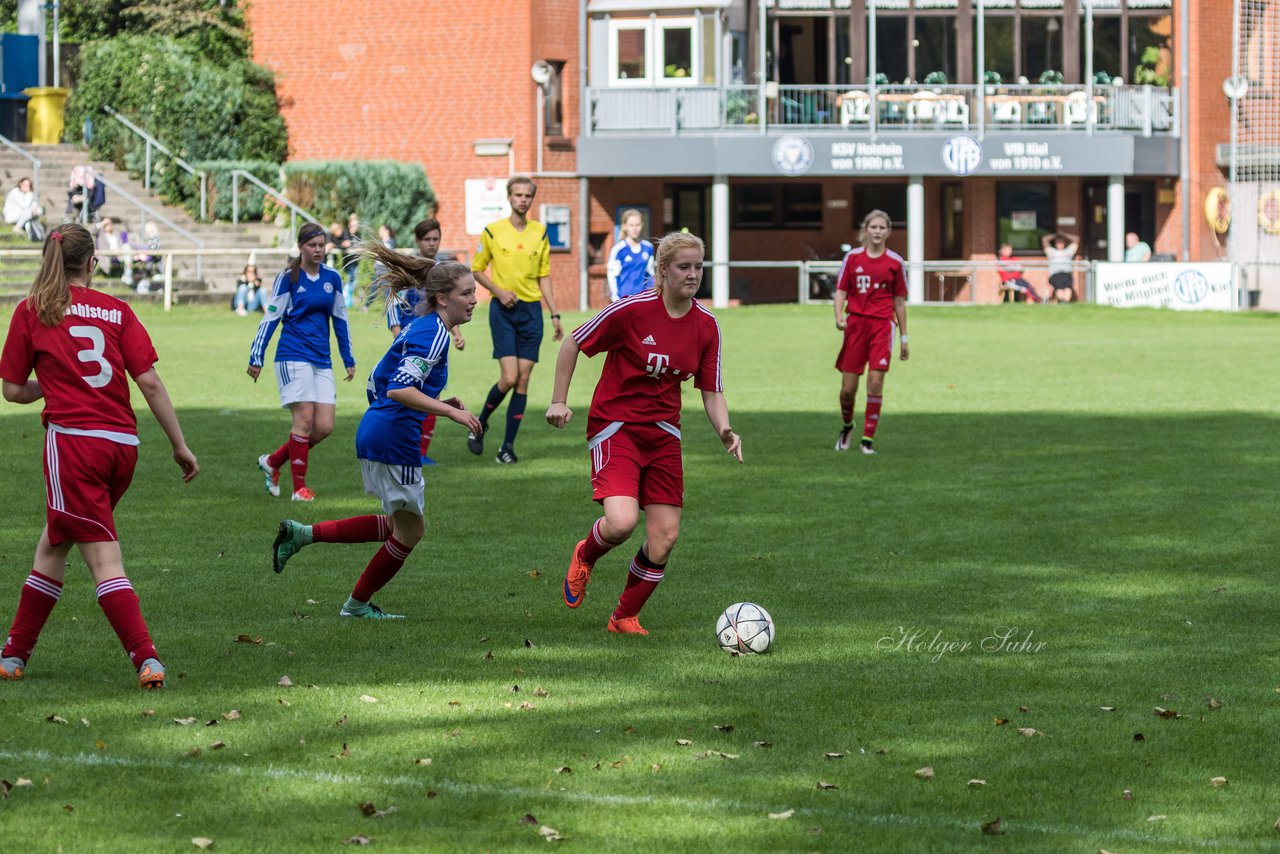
(214, 273)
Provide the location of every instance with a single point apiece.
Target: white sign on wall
(1186, 287)
(486, 200)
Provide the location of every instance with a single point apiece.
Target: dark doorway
(685, 208)
(1139, 216)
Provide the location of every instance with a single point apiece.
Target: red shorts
(84, 477)
(868, 341)
(641, 461)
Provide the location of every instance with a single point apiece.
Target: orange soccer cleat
(577, 578)
(626, 626)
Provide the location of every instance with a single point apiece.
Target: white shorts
(399, 487)
(303, 382)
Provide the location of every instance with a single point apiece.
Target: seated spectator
(1135, 250)
(146, 265)
(113, 252)
(23, 212)
(248, 296)
(1060, 250)
(1012, 283)
(85, 190)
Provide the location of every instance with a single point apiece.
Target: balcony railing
(1144, 110)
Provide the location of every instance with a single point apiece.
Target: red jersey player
(872, 288)
(655, 341)
(82, 346)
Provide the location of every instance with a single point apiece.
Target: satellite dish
(541, 72)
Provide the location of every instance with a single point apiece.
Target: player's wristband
(562, 402)
(902, 339)
(555, 317)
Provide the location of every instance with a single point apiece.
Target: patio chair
(855, 108)
(956, 112)
(1007, 112)
(923, 108)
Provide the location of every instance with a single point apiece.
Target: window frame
(1038, 249)
(660, 27)
(617, 26)
(777, 193)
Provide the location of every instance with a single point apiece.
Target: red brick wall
(409, 81)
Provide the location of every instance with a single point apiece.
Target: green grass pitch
(1100, 483)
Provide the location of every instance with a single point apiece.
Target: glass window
(802, 206)
(1150, 54)
(788, 205)
(1106, 46)
(999, 47)
(630, 51)
(935, 46)
(676, 61)
(891, 43)
(1024, 213)
(753, 206)
(1041, 45)
(553, 114)
(890, 198)
(844, 53)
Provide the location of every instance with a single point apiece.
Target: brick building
(771, 127)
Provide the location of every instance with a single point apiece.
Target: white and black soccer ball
(745, 628)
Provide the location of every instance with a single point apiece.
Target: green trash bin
(44, 114)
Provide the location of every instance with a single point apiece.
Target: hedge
(380, 191)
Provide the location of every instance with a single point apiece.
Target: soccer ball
(745, 628)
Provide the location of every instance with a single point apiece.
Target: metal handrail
(35, 164)
(294, 210)
(144, 209)
(152, 142)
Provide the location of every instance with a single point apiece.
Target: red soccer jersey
(872, 283)
(650, 354)
(82, 362)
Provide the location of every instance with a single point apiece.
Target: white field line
(718, 806)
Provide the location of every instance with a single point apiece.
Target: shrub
(380, 191)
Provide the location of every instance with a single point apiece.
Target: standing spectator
(1011, 278)
(85, 193)
(113, 251)
(633, 425)
(248, 285)
(520, 256)
(23, 212)
(405, 384)
(872, 285)
(387, 235)
(1060, 250)
(307, 297)
(630, 269)
(1135, 250)
(83, 345)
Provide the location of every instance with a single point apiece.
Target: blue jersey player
(403, 388)
(630, 269)
(306, 299)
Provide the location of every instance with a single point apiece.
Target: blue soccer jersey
(419, 358)
(306, 307)
(401, 307)
(630, 271)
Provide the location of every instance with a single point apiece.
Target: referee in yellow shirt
(517, 250)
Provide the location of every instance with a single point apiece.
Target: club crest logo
(793, 155)
(328, 288)
(962, 155)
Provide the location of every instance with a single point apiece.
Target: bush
(180, 188)
(200, 109)
(380, 191)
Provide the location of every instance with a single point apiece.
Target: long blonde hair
(401, 272)
(68, 247)
(669, 246)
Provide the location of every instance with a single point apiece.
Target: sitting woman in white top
(22, 211)
(1060, 251)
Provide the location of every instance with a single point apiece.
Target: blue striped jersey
(630, 271)
(401, 306)
(419, 358)
(306, 308)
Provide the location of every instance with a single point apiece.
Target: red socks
(299, 447)
(279, 457)
(596, 546)
(381, 569)
(120, 604)
(39, 595)
(642, 580)
(357, 529)
(873, 417)
(428, 430)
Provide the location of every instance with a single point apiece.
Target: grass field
(1102, 483)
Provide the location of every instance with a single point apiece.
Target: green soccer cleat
(289, 541)
(366, 611)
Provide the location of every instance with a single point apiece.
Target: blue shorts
(516, 331)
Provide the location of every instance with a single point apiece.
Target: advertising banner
(1186, 287)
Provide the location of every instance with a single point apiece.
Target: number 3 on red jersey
(93, 354)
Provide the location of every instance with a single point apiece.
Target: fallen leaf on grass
(21, 783)
(534, 574)
(184, 721)
(1213, 704)
(1023, 709)
(564, 769)
(356, 840)
(1126, 795)
(883, 751)
(69, 807)
(202, 842)
(629, 731)
(256, 641)
(834, 755)
(549, 833)
(285, 682)
(1157, 817)
(213, 722)
(824, 785)
(488, 655)
(1165, 713)
(365, 698)
(340, 721)
(84, 721)
(368, 810)
(282, 701)
(683, 742)
(1001, 721)
(217, 745)
(541, 692)
(1276, 826)
(455, 703)
(528, 819)
(100, 744)
(1107, 708)
(148, 713)
(426, 760)
(781, 815)
(763, 744)
(431, 794)
(976, 783)
(814, 830)
(313, 602)
(925, 773)
(1028, 731)
(5, 788)
(1218, 782)
(194, 752)
(709, 753)
(992, 828)
(722, 727)
(528, 707)
(54, 719)
(232, 715)
(528, 643)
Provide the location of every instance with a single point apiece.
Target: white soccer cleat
(842, 443)
(270, 476)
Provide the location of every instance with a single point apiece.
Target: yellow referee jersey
(518, 258)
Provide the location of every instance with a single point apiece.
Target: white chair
(923, 108)
(956, 112)
(855, 108)
(1009, 112)
(1077, 109)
